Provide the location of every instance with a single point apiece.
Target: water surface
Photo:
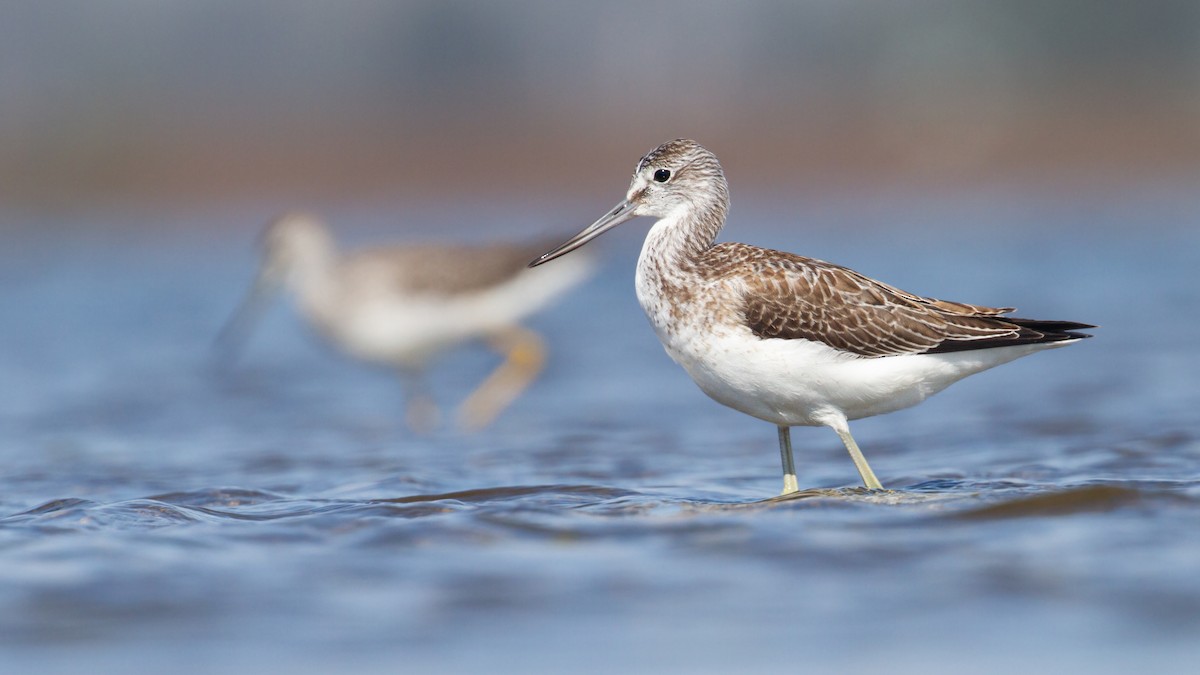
(159, 511)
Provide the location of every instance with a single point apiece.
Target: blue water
(161, 510)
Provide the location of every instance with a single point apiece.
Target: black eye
(662, 175)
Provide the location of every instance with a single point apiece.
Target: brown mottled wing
(448, 270)
(792, 297)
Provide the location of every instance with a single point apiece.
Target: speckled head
(293, 245)
(295, 241)
(679, 174)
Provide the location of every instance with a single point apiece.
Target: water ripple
(548, 508)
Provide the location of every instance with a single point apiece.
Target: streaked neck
(686, 233)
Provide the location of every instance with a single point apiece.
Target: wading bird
(787, 339)
(401, 306)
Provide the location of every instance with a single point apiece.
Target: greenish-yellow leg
(860, 462)
(524, 356)
(790, 484)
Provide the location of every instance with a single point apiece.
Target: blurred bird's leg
(524, 355)
(421, 413)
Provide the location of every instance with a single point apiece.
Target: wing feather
(791, 297)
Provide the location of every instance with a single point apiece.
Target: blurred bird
(788, 339)
(400, 306)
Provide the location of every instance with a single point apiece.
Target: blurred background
(132, 101)
(275, 513)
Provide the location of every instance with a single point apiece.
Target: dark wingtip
(1031, 331)
(1049, 326)
(1054, 331)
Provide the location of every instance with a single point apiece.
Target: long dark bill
(619, 214)
(238, 327)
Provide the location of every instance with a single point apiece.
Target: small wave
(1083, 499)
(215, 505)
(228, 496)
(544, 506)
(574, 493)
(961, 499)
(83, 514)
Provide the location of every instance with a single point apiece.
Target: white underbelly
(406, 330)
(805, 383)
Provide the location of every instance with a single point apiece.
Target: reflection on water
(157, 511)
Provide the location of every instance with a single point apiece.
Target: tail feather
(1050, 326)
(1029, 331)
